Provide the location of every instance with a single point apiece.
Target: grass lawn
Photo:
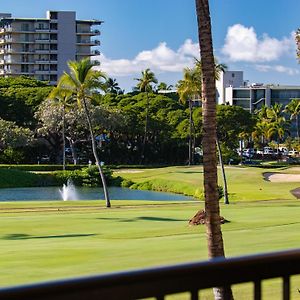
(244, 184)
(50, 240)
(40, 241)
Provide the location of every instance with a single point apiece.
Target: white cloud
(277, 68)
(242, 44)
(160, 59)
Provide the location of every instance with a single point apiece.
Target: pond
(85, 193)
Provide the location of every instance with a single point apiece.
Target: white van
(268, 150)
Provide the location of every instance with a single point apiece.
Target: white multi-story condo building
(41, 47)
(233, 90)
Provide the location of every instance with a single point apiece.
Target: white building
(228, 79)
(41, 47)
(233, 90)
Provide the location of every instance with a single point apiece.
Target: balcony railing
(159, 282)
(88, 32)
(95, 52)
(37, 29)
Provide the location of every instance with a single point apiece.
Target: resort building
(233, 90)
(42, 47)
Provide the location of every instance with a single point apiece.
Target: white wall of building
(228, 79)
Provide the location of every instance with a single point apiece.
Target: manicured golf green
(44, 241)
(244, 184)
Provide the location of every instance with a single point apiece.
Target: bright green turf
(243, 183)
(51, 240)
(49, 243)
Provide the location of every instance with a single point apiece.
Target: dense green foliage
(19, 99)
(119, 123)
(88, 176)
(36, 176)
(17, 178)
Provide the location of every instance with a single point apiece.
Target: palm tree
(293, 108)
(188, 89)
(64, 99)
(212, 210)
(219, 67)
(297, 38)
(145, 85)
(164, 87)
(111, 86)
(278, 123)
(83, 81)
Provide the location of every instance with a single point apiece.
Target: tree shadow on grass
(190, 172)
(142, 219)
(22, 236)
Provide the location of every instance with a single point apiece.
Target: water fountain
(68, 191)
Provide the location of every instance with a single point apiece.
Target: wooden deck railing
(159, 282)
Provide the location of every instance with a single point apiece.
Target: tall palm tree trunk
(226, 200)
(191, 134)
(297, 124)
(105, 190)
(213, 226)
(63, 137)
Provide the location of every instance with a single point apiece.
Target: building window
(241, 93)
(53, 26)
(25, 27)
(53, 37)
(53, 77)
(24, 68)
(53, 15)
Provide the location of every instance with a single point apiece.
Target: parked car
(268, 150)
(45, 158)
(293, 152)
(284, 151)
(249, 152)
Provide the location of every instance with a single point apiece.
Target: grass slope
(244, 184)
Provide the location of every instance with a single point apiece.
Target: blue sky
(254, 36)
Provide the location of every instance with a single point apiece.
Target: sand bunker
(128, 171)
(280, 177)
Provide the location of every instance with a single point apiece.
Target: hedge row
(41, 168)
(88, 176)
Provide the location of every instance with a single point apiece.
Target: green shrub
(126, 183)
(147, 185)
(199, 193)
(229, 156)
(85, 177)
(10, 155)
(17, 178)
(220, 192)
(62, 177)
